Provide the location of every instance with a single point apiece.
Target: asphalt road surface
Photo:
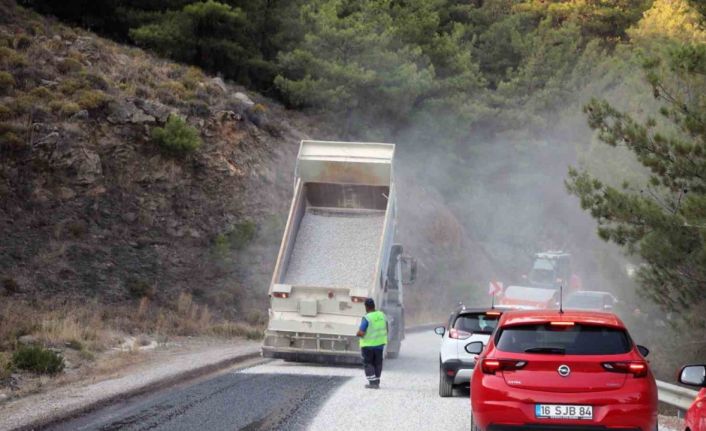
(279, 395)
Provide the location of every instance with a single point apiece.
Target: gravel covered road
(279, 395)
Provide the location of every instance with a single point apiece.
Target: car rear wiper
(555, 350)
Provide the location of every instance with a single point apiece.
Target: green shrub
(10, 57)
(5, 112)
(176, 137)
(91, 99)
(140, 289)
(12, 137)
(10, 286)
(95, 81)
(5, 367)
(37, 359)
(71, 85)
(7, 82)
(23, 42)
(69, 65)
(236, 237)
(42, 93)
(65, 108)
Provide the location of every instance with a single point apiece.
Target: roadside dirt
(132, 373)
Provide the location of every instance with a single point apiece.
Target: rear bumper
(497, 407)
(555, 428)
(460, 369)
(307, 347)
(319, 358)
(520, 416)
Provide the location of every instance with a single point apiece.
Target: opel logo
(564, 370)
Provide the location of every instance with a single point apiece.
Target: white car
(465, 326)
(590, 300)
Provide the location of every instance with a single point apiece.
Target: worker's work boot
(373, 385)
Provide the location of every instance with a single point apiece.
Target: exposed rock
(155, 109)
(118, 113)
(66, 193)
(96, 191)
(80, 115)
(40, 196)
(218, 83)
(139, 117)
(27, 340)
(243, 98)
(128, 112)
(129, 217)
(228, 115)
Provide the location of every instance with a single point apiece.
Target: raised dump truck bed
(337, 250)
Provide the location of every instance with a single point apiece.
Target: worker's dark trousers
(372, 360)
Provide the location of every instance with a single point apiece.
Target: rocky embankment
(92, 207)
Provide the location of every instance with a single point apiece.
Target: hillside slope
(93, 209)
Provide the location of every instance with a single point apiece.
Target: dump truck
(337, 250)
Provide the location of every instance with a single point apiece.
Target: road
(278, 395)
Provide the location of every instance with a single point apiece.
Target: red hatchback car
(695, 375)
(548, 370)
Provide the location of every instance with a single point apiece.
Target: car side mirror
(474, 348)
(440, 331)
(644, 351)
(693, 375)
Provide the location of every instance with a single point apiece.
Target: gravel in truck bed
(336, 248)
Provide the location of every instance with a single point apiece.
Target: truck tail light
(491, 366)
(636, 368)
(283, 295)
(358, 299)
(458, 335)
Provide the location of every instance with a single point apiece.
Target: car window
(585, 301)
(542, 276)
(476, 323)
(544, 264)
(573, 340)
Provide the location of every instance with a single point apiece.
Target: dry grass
(93, 327)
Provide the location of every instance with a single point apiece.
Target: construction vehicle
(549, 277)
(550, 269)
(337, 250)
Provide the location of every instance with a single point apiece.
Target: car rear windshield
(569, 340)
(585, 301)
(477, 323)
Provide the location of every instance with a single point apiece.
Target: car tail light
(283, 295)
(636, 368)
(491, 366)
(493, 313)
(459, 335)
(358, 298)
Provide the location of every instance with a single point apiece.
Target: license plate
(562, 411)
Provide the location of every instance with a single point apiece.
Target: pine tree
(664, 221)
